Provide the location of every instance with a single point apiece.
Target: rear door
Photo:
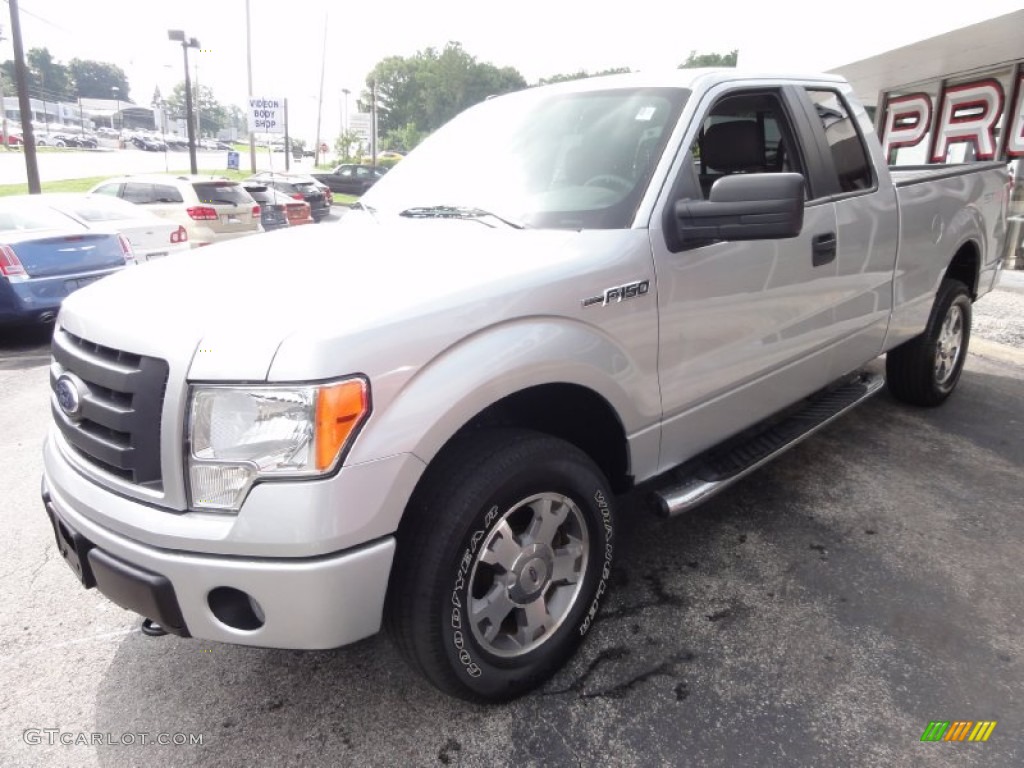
(745, 327)
(867, 226)
(234, 206)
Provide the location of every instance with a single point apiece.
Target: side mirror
(755, 206)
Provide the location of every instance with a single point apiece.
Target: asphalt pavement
(820, 613)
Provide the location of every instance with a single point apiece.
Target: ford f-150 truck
(421, 417)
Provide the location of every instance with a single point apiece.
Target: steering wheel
(609, 181)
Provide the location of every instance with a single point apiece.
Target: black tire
(925, 370)
(484, 499)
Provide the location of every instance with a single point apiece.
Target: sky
(537, 37)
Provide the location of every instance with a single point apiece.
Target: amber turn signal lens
(340, 409)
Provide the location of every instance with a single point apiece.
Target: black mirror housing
(755, 206)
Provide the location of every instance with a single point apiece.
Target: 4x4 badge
(619, 293)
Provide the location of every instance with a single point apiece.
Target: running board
(720, 467)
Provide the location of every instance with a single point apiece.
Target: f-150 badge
(619, 293)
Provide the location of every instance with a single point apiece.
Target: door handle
(823, 250)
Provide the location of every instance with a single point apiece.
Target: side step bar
(722, 466)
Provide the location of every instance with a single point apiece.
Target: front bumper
(308, 603)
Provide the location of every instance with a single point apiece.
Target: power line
(36, 16)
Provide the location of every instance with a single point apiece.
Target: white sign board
(266, 115)
(361, 123)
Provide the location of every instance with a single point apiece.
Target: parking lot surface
(820, 613)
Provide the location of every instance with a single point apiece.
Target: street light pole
(248, 64)
(117, 98)
(178, 35)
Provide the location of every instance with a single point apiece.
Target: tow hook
(152, 629)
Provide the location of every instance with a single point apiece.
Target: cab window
(849, 156)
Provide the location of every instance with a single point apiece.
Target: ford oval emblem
(68, 396)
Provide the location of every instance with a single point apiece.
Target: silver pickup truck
(421, 417)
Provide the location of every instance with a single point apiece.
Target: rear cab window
(852, 166)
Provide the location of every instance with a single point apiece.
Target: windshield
(547, 159)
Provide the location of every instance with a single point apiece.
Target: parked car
(148, 143)
(433, 433)
(45, 256)
(73, 140)
(273, 212)
(151, 236)
(326, 190)
(211, 208)
(351, 179)
(299, 186)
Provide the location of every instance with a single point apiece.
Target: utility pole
(287, 144)
(320, 102)
(373, 123)
(25, 109)
(248, 64)
(3, 97)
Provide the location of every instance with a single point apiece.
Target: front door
(745, 327)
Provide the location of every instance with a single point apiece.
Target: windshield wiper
(457, 212)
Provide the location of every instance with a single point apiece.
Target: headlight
(240, 434)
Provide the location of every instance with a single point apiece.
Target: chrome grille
(118, 426)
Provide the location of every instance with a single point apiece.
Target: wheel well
(573, 413)
(964, 267)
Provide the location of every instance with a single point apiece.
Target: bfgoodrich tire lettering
(503, 557)
(926, 369)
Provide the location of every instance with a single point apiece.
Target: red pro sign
(967, 113)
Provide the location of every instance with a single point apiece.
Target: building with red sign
(953, 98)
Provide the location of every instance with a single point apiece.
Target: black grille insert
(118, 428)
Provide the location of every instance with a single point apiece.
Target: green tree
(212, 114)
(95, 79)
(404, 138)
(562, 78)
(346, 145)
(697, 60)
(238, 120)
(431, 87)
(47, 78)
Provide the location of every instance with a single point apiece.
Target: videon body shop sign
(266, 115)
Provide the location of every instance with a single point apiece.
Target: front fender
(500, 360)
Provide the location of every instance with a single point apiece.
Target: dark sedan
(298, 186)
(351, 179)
(45, 255)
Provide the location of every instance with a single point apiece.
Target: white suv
(211, 208)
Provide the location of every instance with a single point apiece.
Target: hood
(229, 306)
